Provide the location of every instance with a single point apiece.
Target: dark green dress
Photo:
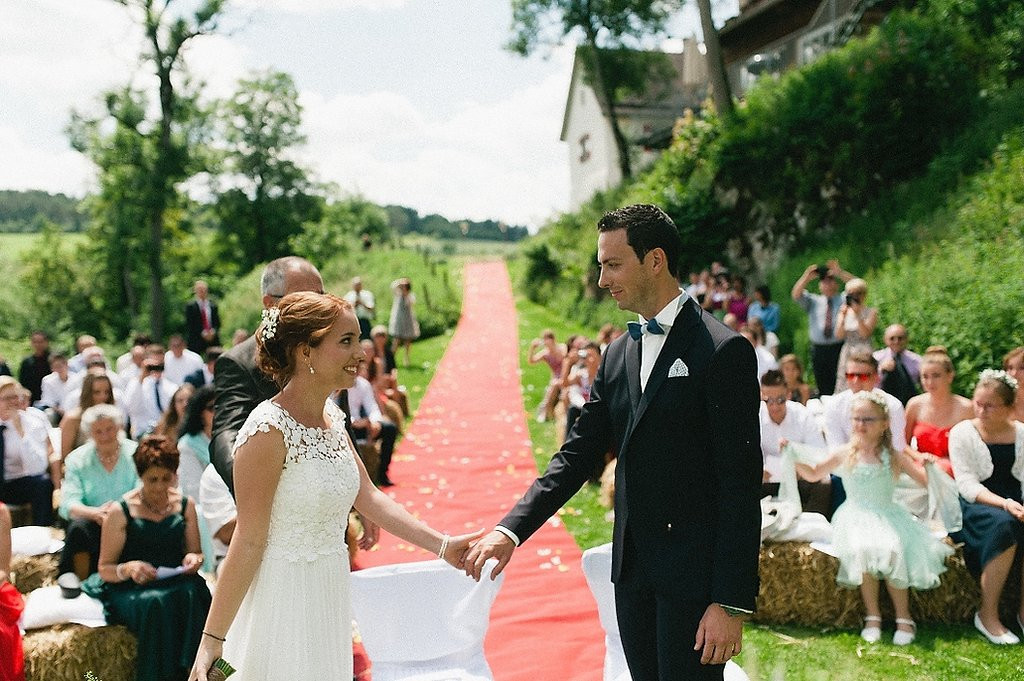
(167, 616)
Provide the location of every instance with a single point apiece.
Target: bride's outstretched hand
(370, 534)
(458, 545)
(209, 651)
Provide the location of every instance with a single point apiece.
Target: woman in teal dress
(149, 560)
(874, 537)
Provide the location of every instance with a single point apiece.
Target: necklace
(107, 459)
(158, 510)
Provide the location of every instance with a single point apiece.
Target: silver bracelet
(444, 545)
(117, 572)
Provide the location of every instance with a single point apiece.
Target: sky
(409, 102)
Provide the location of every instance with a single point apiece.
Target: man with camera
(822, 314)
(150, 394)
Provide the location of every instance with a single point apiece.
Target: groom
(678, 399)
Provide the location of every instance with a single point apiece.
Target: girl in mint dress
(874, 537)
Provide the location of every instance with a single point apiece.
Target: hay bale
(798, 586)
(31, 572)
(65, 652)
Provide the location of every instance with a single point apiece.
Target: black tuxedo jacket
(240, 387)
(688, 478)
(194, 327)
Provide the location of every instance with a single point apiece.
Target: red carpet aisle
(465, 462)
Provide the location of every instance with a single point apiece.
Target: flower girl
(875, 538)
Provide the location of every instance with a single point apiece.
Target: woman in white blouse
(987, 453)
(27, 455)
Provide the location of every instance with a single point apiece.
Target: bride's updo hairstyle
(303, 317)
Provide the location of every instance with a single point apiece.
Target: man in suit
(899, 368)
(678, 398)
(202, 320)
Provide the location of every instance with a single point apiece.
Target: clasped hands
(719, 635)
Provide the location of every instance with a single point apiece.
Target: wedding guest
(768, 339)
(96, 476)
(194, 434)
(899, 368)
(150, 393)
(580, 382)
(363, 302)
(77, 363)
(987, 453)
(932, 415)
(546, 349)
(369, 424)
(1013, 364)
(793, 370)
(204, 376)
(737, 303)
(129, 364)
(217, 507)
(854, 326)
(764, 309)
(202, 320)
(12, 660)
(174, 414)
(36, 366)
(179, 361)
(153, 530)
(26, 456)
(387, 381)
(54, 387)
(822, 311)
(403, 325)
(96, 389)
(861, 374)
(785, 420)
(765, 360)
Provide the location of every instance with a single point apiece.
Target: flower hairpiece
(270, 316)
(875, 396)
(999, 375)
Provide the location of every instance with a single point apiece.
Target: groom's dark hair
(647, 227)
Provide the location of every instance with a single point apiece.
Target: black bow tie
(636, 329)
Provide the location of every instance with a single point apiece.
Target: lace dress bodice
(318, 484)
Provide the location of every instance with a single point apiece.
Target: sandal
(872, 631)
(903, 638)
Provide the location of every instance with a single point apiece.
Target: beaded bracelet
(444, 545)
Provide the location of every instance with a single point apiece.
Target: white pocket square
(678, 368)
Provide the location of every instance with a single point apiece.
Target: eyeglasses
(858, 376)
(774, 400)
(897, 338)
(865, 419)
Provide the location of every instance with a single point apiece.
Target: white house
(645, 121)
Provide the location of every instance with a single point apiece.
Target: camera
(822, 271)
(154, 367)
(852, 299)
(581, 354)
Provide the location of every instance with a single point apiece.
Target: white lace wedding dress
(295, 621)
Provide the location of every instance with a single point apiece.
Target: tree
(272, 194)
(720, 92)
(604, 25)
(339, 230)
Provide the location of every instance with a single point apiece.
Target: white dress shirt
(654, 342)
(362, 403)
(29, 453)
(362, 302)
(54, 390)
(799, 425)
(142, 407)
(217, 506)
(177, 368)
(839, 427)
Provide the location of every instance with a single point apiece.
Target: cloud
(27, 166)
(498, 160)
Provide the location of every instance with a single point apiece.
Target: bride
(281, 608)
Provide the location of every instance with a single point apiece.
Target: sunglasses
(774, 400)
(860, 376)
(897, 338)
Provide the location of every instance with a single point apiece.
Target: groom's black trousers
(658, 629)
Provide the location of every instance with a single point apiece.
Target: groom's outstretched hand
(493, 545)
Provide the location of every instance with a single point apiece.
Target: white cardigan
(972, 461)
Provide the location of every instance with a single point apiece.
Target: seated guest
(96, 476)
(179, 361)
(174, 414)
(765, 360)
(768, 339)
(931, 416)
(861, 374)
(580, 381)
(194, 435)
(782, 419)
(54, 387)
(218, 509)
(1013, 364)
(77, 363)
(130, 363)
(204, 376)
(25, 456)
(96, 389)
(368, 423)
(792, 369)
(12, 660)
(899, 368)
(764, 309)
(988, 462)
(149, 394)
(388, 379)
(736, 301)
(370, 369)
(154, 527)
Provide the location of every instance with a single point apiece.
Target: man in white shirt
(783, 419)
(179, 361)
(24, 454)
(363, 303)
(150, 394)
(368, 423)
(55, 385)
(861, 374)
(765, 359)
